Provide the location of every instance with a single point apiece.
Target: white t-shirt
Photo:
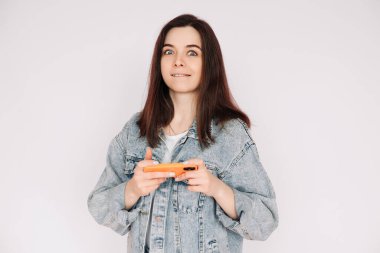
(170, 141)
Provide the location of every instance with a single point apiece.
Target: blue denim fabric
(184, 221)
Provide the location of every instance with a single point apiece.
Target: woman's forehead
(183, 36)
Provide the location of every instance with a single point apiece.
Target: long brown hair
(215, 99)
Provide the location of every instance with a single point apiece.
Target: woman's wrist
(130, 197)
(224, 196)
(220, 189)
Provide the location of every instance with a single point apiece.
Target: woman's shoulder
(235, 123)
(131, 122)
(231, 138)
(233, 130)
(235, 127)
(130, 127)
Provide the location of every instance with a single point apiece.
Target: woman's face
(181, 59)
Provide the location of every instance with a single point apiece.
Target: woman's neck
(184, 113)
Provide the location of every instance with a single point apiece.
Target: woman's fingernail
(185, 162)
(155, 162)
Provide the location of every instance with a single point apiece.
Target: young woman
(189, 117)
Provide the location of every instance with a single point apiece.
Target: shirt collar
(192, 132)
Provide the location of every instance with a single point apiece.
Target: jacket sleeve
(106, 202)
(255, 199)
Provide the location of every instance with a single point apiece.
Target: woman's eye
(193, 53)
(168, 51)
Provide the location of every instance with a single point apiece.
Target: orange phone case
(177, 168)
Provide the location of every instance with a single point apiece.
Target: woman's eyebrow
(191, 45)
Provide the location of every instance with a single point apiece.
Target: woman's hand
(204, 181)
(201, 180)
(142, 183)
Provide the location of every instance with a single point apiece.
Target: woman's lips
(179, 75)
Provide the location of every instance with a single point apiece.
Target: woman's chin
(177, 89)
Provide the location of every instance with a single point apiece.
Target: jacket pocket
(212, 168)
(212, 247)
(188, 201)
(130, 164)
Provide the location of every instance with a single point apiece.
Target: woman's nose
(178, 61)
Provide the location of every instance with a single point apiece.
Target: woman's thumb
(148, 154)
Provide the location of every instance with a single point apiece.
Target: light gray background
(306, 72)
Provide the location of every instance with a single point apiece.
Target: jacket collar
(193, 130)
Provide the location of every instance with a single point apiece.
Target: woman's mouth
(179, 75)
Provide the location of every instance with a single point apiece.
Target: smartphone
(177, 168)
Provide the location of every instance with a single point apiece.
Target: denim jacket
(184, 221)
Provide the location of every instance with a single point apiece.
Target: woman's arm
(254, 196)
(106, 202)
(246, 201)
